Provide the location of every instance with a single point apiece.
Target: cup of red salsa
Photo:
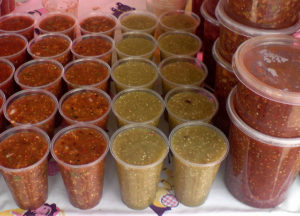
(23, 163)
(7, 70)
(41, 74)
(260, 168)
(13, 48)
(80, 152)
(58, 22)
(98, 46)
(87, 72)
(85, 105)
(2, 102)
(20, 23)
(36, 107)
(52, 45)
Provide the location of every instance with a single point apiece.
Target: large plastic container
(268, 95)
(260, 168)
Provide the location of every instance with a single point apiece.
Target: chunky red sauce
(5, 72)
(92, 47)
(16, 23)
(57, 23)
(98, 24)
(10, 45)
(50, 46)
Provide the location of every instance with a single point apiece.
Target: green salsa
(179, 21)
(138, 22)
(135, 46)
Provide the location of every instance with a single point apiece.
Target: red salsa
(5, 72)
(97, 24)
(6, 84)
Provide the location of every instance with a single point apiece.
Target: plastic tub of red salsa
(260, 168)
(2, 102)
(80, 152)
(268, 95)
(274, 14)
(41, 74)
(23, 163)
(7, 70)
(98, 46)
(224, 82)
(53, 45)
(87, 105)
(233, 32)
(58, 22)
(99, 22)
(210, 34)
(36, 107)
(87, 72)
(13, 48)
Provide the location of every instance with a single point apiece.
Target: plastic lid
(204, 10)
(270, 67)
(246, 30)
(219, 58)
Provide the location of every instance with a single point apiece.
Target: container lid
(219, 58)
(206, 10)
(270, 67)
(246, 30)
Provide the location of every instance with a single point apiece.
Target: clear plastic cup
(83, 182)
(103, 55)
(136, 17)
(55, 86)
(180, 20)
(233, 32)
(224, 82)
(138, 107)
(2, 120)
(191, 108)
(7, 86)
(86, 106)
(183, 78)
(65, 6)
(68, 30)
(260, 168)
(12, 19)
(33, 110)
(138, 182)
(63, 57)
(11, 39)
(28, 185)
(133, 76)
(268, 95)
(160, 6)
(136, 35)
(193, 178)
(175, 43)
(84, 73)
(94, 19)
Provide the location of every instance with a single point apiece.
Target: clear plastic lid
(204, 10)
(248, 31)
(219, 58)
(270, 67)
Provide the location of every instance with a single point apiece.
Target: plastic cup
(169, 83)
(136, 35)
(86, 72)
(133, 76)
(55, 86)
(27, 32)
(66, 6)
(63, 57)
(105, 56)
(260, 169)
(69, 31)
(179, 16)
(7, 85)
(28, 185)
(32, 111)
(191, 109)
(138, 107)
(234, 32)
(225, 81)
(138, 182)
(11, 39)
(97, 16)
(193, 178)
(169, 46)
(132, 15)
(83, 182)
(2, 120)
(160, 6)
(86, 106)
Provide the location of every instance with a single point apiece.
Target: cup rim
(16, 35)
(199, 123)
(2, 96)
(84, 60)
(73, 128)
(219, 58)
(125, 60)
(138, 125)
(77, 91)
(126, 91)
(26, 128)
(5, 61)
(18, 14)
(206, 15)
